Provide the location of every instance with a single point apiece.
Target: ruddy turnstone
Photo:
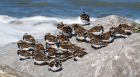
(97, 42)
(61, 37)
(85, 18)
(107, 37)
(65, 56)
(63, 47)
(23, 54)
(28, 38)
(22, 45)
(118, 32)
(89, 36)
(79, 53)
(51, 53)
(97, 30)
(39, 49)
(51, 40)
(41, 59)
(79, 32)
(126, 28)
(55, 65)
(66, 30)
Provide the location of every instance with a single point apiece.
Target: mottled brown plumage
(66, 30)
(65, 56)
(28, 38)
(79, 32)
(85, 18)
(52, 52)
(97, 42)
(55, 65)
(119, 32)
(107, 36)
(126, 27)
(62, 37)
(97, 30)
(23, 54)
(24, 45)
(39, 49)
(64, 45)
(50, 39)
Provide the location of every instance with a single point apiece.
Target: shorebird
(97, 30)
(118, 32)
(23, 54)
(107, 37)
(55, 65)
(85, 18)
(51, 40)
(97, 42)
(79, 32)
(22, 45)
(126, 28)
(51, 53)
(61, 37)
(65, 56)
(89, 36)
(39, 49)
(28, 38)
(63, 47)
(41, 59)
(65, 29)
(79, 53)
(76, 52)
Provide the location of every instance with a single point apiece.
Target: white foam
(137, 21)
(6, 19)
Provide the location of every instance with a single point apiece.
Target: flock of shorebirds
(59, 48)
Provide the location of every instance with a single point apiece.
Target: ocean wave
(12, 29)
(137, 21)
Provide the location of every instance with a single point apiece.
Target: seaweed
(137, 28)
